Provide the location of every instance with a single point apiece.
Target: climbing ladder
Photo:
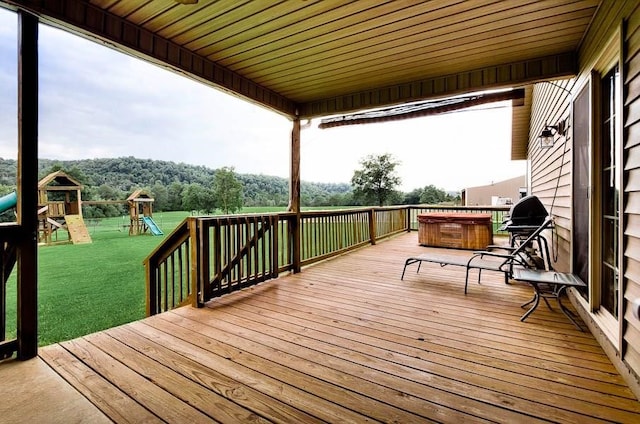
(78, 232)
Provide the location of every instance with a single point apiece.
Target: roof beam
(516, 74)
(92, 22)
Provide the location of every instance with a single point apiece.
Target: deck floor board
(346, 340)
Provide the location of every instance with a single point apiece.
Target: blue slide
(153, 227)
(8, 201)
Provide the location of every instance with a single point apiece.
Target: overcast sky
(98, 103)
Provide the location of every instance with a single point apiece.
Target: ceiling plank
(561, 40)
(82, 17)
(332, 56)
(507, 75)
(407, 40)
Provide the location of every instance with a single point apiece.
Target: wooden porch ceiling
(317, 58)
(346, 340)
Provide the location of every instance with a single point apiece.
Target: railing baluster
(216, 258)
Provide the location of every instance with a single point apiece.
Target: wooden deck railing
(234, 252)
(324, 234)
(168, 271)
(8, 252)
(205, 257)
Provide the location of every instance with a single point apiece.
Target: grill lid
(527, 211)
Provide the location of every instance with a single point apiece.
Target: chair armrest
(493, 254)
(495, 246)
(514, 259)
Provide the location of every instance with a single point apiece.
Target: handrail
(168, 272)
(209, 256)
(9, 232)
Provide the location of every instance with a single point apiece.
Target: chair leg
(547, 302)
(535, 301)
(409, 262)
(466, 281)
(564, 309)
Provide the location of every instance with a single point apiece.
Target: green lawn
(91, 287)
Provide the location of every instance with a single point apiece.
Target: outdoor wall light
(547, 136)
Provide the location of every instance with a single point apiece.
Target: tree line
(179, 186)
(175, 186)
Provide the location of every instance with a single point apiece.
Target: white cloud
(95, 102)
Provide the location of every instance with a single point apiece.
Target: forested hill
(116, 178)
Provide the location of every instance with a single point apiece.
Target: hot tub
(455, 230)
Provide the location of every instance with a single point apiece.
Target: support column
(294, 195)
(294, 171)
(27, 205)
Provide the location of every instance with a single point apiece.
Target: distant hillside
(115, 178)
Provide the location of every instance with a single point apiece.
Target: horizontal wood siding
(550, 105)
(631, 277)
(551, 168)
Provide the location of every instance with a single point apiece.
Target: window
(610, 186)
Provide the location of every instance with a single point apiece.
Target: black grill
(527, 212)
(524, 218)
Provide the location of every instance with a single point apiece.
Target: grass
(91, 287)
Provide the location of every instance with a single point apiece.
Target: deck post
(151, 275)
(27, 184)
(294, 171)
(294, 195)
(372, 226)
(199, 261)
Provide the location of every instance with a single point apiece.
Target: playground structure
(60, 208)
(141, 214)
(8, 201)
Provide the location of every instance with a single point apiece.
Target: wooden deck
(347, 341)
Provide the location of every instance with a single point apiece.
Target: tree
(376, 181)
(196, 197)
(413, 197)
(432, 195)
(106, 192)
(227, 190)
(174, 196)
(160, 196)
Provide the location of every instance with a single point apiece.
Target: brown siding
(551, 173)
(631, 277)
(551, 168)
